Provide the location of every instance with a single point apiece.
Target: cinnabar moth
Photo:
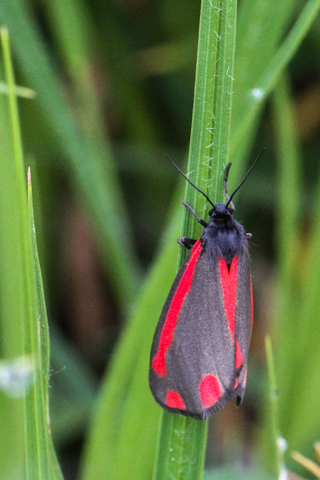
(200, 348)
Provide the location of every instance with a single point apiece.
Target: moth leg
(249, 236)
(202, 222)
(186, 242)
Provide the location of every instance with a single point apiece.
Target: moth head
(221, 211)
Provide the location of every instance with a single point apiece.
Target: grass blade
(12, 308)
(90, 162)
(271, 74)
(37, 411)
(296, 323)
(39, 453)
(126, 410)
(182, 441)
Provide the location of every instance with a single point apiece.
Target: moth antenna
(229, 202)
(226, 187)
(191, 183)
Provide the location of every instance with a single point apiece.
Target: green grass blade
(75, 42)
(273, 408)
(261, 27)
(289, 46)
(36, 467)
(288, 222)
(289, 174)
(41, 350)
(182, 441)
(126, 410)
(299, 357)
(12, 307)
(39, 454)
(270, 76)
(90, 162)
(210, 132)
(183, 444)
(296, 322)
(227, 474)
(182, 447)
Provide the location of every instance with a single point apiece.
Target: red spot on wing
(229, 288)
(174, 400)
(236, 383)
(159, 361)
(210, 390)
(239, 357)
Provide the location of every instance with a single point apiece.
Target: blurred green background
(113, 83)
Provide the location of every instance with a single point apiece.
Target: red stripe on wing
(159, 361)
(229, 288)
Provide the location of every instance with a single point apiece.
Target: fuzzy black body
(224, 237)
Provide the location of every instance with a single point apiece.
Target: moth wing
(198, 374)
